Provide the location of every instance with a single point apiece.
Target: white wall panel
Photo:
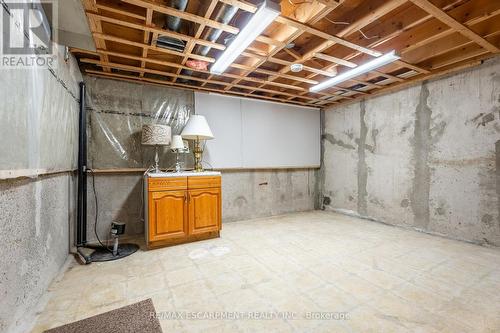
(258, 134)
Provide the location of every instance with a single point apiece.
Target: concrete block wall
(426, 157)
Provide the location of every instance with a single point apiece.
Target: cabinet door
(167, 215)
(204, 210)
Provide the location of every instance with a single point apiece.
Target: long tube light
(264, 16)
(362, 69)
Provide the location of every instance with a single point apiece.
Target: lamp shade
(197, 128)
(156, 135)
(177, 142)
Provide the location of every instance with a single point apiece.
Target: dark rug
(138, 317)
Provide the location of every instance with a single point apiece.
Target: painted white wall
(257, 134)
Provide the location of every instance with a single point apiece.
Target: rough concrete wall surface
(38, 135)
(119, 199)
(245, 194)
(426, 157)
(259, 193)
(34, 233)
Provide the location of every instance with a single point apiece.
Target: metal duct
(224, 15)
(173, 23)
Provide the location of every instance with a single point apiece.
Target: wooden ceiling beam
(95, 25)
(331, 39)
(477, 12)
(365, 20)
(439, 14)
(192, 78)
(157, 7)
(149, 19)
(486, 14)
(135, 79)
(288, 40)
(335, 60)
(113, 9)
(163, 32)
(198, 57)
(181, 67)
(451, 68)
(190, 46)
(461, 40)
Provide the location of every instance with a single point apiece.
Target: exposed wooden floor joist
(326, 37)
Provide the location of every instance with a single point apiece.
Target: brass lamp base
(198, 152)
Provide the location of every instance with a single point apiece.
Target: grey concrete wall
(246, 194)
(38, 135)
(426, 157)
(36, 215)
(258, 193)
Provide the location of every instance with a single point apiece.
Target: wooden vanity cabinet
(182, 209)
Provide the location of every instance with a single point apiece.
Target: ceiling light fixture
(264, 16)
(362, 69)
(296, 68)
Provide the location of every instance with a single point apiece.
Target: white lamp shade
(177, 142)
(156, 135)
(197, 128)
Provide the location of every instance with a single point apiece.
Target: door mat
(138, 317)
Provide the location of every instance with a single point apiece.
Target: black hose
(97, 212)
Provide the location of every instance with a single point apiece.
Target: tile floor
(305, 272)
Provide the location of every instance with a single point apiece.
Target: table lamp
(197, 129)
(156, 135)
(177, 146)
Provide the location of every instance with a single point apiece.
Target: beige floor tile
(366, 319)
(329, 326)
(387, 279)
(381, 278)
(359, 287)
(256, 275)
(251, 326)
(182, 275)
(275, 290)
(244, 300)
(226, 282)
(330, 298)
(481, 316)
(191, 292)
(424, 298)
(302, 280)
(407, 314)
(147, 285)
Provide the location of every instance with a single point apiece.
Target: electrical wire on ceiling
(333, 22)
(347, 23)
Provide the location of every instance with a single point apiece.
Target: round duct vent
(296, 67)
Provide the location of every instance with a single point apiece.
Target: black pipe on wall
(81, 219)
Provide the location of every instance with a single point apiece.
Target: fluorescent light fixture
(365, 68)
(264, 16)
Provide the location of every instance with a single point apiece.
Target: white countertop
(183, 174)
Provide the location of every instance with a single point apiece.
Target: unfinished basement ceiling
(326, 36)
